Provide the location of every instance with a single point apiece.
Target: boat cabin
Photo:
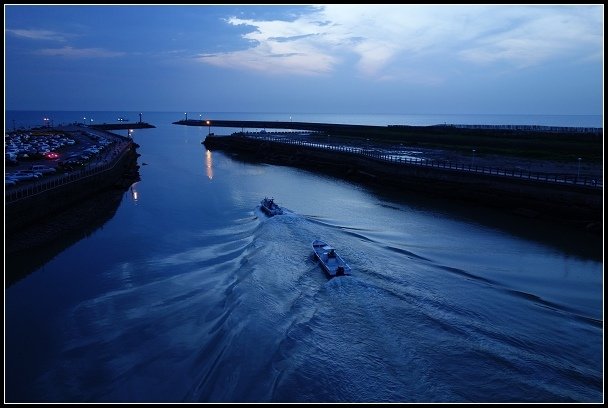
(331, 253)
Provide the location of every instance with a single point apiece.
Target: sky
(397, 59)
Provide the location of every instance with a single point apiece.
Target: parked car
(51, 155)
(24, 175)
(42, 169)
(70, 164)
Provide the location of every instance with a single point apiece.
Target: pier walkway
(379, 155)
(358, 129)
(563, 198)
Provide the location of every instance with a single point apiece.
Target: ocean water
(189, 293)
(16, 119)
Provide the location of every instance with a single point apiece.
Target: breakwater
(27, 205)
(546, 142)
(351, 129)
(119, 126)
(573, 202)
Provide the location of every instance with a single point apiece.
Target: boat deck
(330, 260)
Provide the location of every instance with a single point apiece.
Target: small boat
(270, 207)
(333, 263)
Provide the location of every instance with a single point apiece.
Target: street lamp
(473, 158)
(84, 121)
(578, 171)
(186, 113)
(209, 124)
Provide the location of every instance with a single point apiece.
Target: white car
(38, 168)
(24, 175)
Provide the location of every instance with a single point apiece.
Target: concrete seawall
(33, 208)
(552, 143)
(119, 126)
(579, 205)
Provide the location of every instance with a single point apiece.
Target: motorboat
(270, 207)
(332, 263)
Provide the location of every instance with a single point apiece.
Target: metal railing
(555, 178)
(103, 163)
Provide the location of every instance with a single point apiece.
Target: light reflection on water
(194, 295)
(134, 192)
(209, 164)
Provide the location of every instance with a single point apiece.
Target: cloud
(265, 58)
(278, 47)
(382, 38)
(70, 52)
(37, 34)
(539, 37)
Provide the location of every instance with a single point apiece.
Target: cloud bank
(71, 52)
(386, 41)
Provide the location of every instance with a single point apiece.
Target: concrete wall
(36, 207)
(575, 204)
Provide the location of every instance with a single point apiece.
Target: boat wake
(252, 317)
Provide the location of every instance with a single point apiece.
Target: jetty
(354, 129)
(565, 198)
(122, 125)
(546, 142)
(33, 201)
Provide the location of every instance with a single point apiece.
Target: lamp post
(84, 121)
(140, 117)
(578, 170)
(186, 113)
(473, 158)
(209, 124)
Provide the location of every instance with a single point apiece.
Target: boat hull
(270, 208)
(332, 263)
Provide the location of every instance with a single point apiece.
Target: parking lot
(63, 149)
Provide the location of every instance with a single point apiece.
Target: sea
(187, 292)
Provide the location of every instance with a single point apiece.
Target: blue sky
(404, 59)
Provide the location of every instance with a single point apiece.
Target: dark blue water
(189, 293)
(16, 119)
